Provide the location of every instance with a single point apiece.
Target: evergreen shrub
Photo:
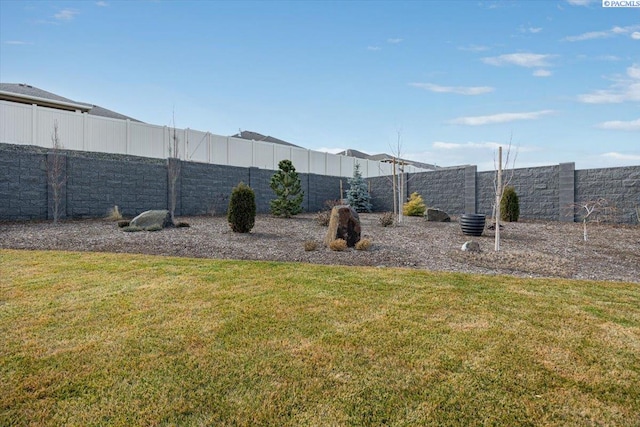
(509, 205)
(286, 184)
(415, 206)
(242, 209)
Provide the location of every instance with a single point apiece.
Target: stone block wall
(23, 184)
(537, 190)
(94, 186)
(95, 182)
(619, 186)
(444, 189)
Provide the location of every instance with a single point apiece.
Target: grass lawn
(110, 339)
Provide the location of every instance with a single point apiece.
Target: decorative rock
(152, 219)
(471, 246)
(343, 224)
(437, 215)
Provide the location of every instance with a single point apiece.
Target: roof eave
(44, 102)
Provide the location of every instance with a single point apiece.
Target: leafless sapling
(593, 210)
(173, 168)
(500, 182)
(56, 174)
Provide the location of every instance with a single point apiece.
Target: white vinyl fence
(33, 125)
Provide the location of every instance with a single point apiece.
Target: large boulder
(436, 215)
(152, 219)
(343, 224)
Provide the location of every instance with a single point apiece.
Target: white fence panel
(333, 164)
(240, 152)
(146, 140)
(300, 159)
(197, 147)
(283, 152)
(317, 162)
(219, 150)
(28, 124)
(263, 156)
(384, 168)
(347, 165)
(70, 128)
(107, 135)
(16, 123)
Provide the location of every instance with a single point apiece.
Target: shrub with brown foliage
(386, 219)
(363, 245)
(323, 218)
(338, 245)
(310, 245)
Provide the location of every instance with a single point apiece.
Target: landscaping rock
(471, 246)
(343, 224)
(152, 220)
(436, 215)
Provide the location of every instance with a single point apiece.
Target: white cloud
(607, 58)
(635, 35)
(17, 42)
(527, 60)
(634, 71)
(621, 156)
(474, 48)
(580, 2)
(66, 14)
(532, 30)
(623, 90)
(633, 125)
(631, 30)
(542, 73)
(102, 3)
(373, 48)
(461, 90)
(394, 41)
(499, 118)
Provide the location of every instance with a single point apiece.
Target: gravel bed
(529, 249)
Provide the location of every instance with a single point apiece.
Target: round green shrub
(242, 209)
(509, 205)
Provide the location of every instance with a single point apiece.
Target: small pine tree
(286, 184)
(509, 205)
(358, 192)
(242, 209)
(415, 206)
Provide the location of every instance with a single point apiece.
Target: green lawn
(109, 339)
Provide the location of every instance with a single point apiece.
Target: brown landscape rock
(343, 224)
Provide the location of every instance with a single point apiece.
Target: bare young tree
(500, 182)
(56, 173)
(593, 210)
(398, 177)
(173, 168)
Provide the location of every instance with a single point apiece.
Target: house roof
(255, 136)
(384, 157)
(27, 94)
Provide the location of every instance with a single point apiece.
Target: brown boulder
(343, 224)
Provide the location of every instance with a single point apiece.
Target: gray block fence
(95, 182)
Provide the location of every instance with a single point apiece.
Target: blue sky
(452, 79)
